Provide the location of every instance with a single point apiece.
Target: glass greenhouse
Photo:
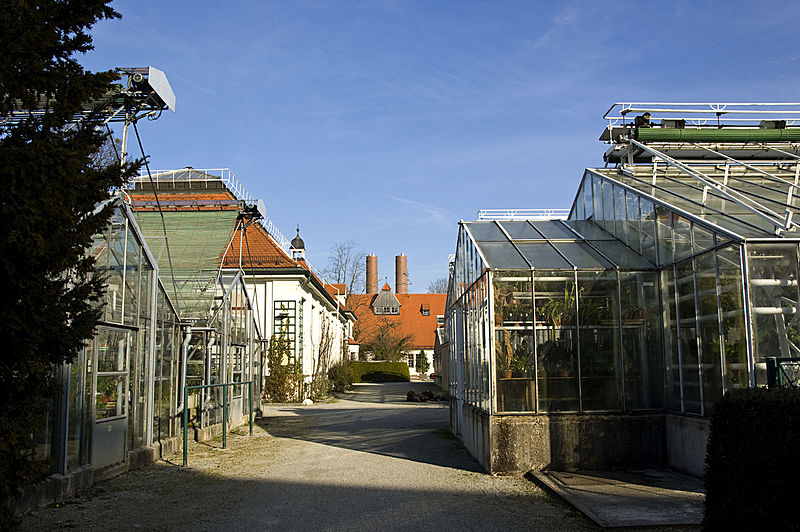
(119, 393)
(162, 328)
(672, 279)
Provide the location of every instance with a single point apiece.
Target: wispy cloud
(416, 213)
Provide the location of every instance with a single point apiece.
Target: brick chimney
(372, 274)
(401, 274)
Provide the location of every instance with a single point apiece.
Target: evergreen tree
(50, 185)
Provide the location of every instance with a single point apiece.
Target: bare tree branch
(438, 286)
(346, 265)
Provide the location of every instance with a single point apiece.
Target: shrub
(341, 376)
(320, 386)
(380, 372)
(422, 362)
(752, 465)
(284, 379)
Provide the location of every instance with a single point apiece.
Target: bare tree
(438, 286)
(346, 265)
(321, 362)
(388, 342)
(109, 152)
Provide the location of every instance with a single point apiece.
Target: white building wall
(312, 310)
(412, 361)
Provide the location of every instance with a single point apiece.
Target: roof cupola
(298, 247)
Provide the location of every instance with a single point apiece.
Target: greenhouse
(190, 233)
(171, 319)
(603, 339)
(119, 393)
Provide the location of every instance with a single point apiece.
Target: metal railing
(783, 372)
(699, 113)
(523, 214)
(224, 387)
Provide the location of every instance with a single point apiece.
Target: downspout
(207, 394)
(185, 356)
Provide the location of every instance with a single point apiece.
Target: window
(285, 324)
(425, 308)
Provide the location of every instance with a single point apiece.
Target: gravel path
(367, 461)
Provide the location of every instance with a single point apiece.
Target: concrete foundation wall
(475, 434)
(519, 443)
(577, 441)
(687, 438)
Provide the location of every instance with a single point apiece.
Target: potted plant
(504, 353)
(522, 361)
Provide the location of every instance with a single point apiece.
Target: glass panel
(116, 266)
(622, 255)
(648, 230)
(664, 231)
(620, 216)
(110, 399)
(587, 196)
(598, 321)
(708, 320)
(608, 207)
(138, 389)
(671, 354)
(703, 238)
(690, 363)
(555, 333)
(579, 204)
(597, 202)
(111, 350)
(79, 429)
(733, 327)
(521, 230)
(502, 255)
(553, 229)
(486, 232)
(582, 255)
(641, 341)
(682, 233)
(132, 278)
(513, 322)
(773, 300)
(588, 230)
(633, 225)
(543, 256)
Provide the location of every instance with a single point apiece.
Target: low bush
(752, 465)
(380, 372)
(341, 376)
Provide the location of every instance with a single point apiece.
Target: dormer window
(386, 303)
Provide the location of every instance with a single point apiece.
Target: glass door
(111, 389)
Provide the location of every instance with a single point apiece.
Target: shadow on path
(377, 419)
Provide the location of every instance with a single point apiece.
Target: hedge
(752, 461)
(380, 372)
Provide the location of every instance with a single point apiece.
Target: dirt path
(367, 461)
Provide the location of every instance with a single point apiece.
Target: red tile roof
(195, 201)
(258, 250)
(410, 321)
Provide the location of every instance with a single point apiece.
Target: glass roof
(768, 196)
(551, 245)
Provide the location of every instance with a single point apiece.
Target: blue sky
(387, 122)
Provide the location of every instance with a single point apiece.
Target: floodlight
(148, 87)
(158, 82)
